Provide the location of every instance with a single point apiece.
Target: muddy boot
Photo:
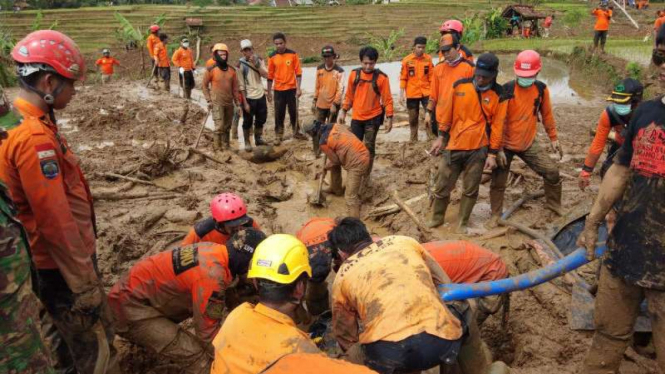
(188, 93)
(258, 137)
(414, 133)
(353, 211)
(496, 206)
(438, 212)
(553, 198)
(227, 142)
(317, 298)
(216, 141)
(297, 134)
(248, 143)
(278, 139)
(465, 207)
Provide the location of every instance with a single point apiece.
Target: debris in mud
(160, 159)
(275, 188)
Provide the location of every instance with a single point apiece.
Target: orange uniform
(210, 63)
(205, 231)
(183, 58)
(160, 51)
(106, 64)
(52, 196)
(253, 337)
(328, 88)
(603, 129)
(363, 97)
(150, 43)
(389, 288)
(602, 19)
(307, 363)
(463, 50)
(416, 76)
(658, 23)
(221, 86)
(464, 117)
(343, 148)
(314, 234)
(185, 282)
(522, 117)
(466, 262)
(443, 78)
(283, 69)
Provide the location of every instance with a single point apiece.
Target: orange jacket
(343, 148)
(106, 64)
(658, 23)
(329, 87)
(463, 117)
(600, 139)
(183, 58)
(150, 44)
(308, 363)
(52, 197)
(364, 100)
(210, 63)
(204, 231)
(178, 284)
(315, 231)
(521, 122)
(283, 69)
(416, 76)
(389, 288)
(221, 87)
(443, 78)
(253, 337)
(466, 262)
(602, 19)
(160, 53)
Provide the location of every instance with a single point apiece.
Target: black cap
(487, 65)
(627, 90)
(327, 51)
(245, 240)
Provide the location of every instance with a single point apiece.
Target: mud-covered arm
(548, 116)
(208, 302)
(348, 98)
(387, 97)
(344, 319)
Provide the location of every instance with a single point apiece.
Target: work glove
(556, 148)
(89, 301)
(584, 180)
(588, 238)
(501, 159)
(181, 71)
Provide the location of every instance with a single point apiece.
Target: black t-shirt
(637, 242)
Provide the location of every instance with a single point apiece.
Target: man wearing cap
(183, 59)
(414, 83)
(105, 65)
(251, 69)
(327, 90)
(528, 103)
(471, 127)
(163, 290)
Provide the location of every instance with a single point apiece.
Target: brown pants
(536, 158)
(617, 308)
(452, 164)
(413, 106)
(223, 118)
(354, 178)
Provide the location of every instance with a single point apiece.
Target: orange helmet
(220, 47)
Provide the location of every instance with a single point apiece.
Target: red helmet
(527, 64)
(228, 208)
(452, 25)
(50, 51)
(154, 28)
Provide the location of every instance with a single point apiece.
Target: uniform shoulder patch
(50, 168)
(185, 258)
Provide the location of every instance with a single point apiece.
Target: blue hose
(453, 292)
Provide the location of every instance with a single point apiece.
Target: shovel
(152, 74)
(203, 125)
(319, 199)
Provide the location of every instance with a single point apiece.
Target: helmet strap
(49, 98)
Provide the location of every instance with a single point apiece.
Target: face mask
(185, 45)
(622, 109)
(525, 82)
(221, 62)
(455, 62)
(481, 88)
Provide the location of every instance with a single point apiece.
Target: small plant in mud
(132, 36)
(634, 70)
(387, 45)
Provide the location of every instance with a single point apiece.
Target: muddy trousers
(413, 107)
(367, 131)
(539, 161)
(257, 116)
(223, 118)
(454, 163)
(186, 80)
(285, 100)
(599, 37)
(88, 337)
(354, 179)
(616, 309)
(164, 78)
(323, 116)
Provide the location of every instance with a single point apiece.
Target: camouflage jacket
(14, 256)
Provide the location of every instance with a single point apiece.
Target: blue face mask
(622, 109)
(525, 82)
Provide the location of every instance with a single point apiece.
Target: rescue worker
(344, 150)
(471, 126)
(612, 125)
(105, 64)
(456, 28)
(528, 102)
(163, 290)
(220, 88)
(401, 331)
(284, 76)
(452, 68)
(633, 268)
(53, 199)
(309, 363)
(328, 90)
(602, 26)
(161, 59)
(22, 349)
(183, 59)
(255, 336)
(150, 44)
(369, 95)
(228, 215)
(660, 20)
(252, 69)
(414, 83)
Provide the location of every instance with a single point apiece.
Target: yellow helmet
(280, 258)
(220, 47)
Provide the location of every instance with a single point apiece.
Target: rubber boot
(297, 134)
(553, 198)
(353, 211)
(258, 137)
(438, 212)
(414, 133)
(226, 142)
(217, 141)
(465, 207)
(188, 93)
(248, 143)
(317, 298)
(496, 206)
(278, 139)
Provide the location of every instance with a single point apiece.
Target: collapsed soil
(126, 129)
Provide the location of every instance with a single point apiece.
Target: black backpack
(375, 78)
(509, 90)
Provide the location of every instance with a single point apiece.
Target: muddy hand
(588, 239)
(502, 160)
(490, 163)
(389, 126)
(584, 180)
(88, 301)
(556, 148)
(437, 145)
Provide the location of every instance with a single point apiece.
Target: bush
(634, 70)
(386, 45)
(573, 18)
(432, 46)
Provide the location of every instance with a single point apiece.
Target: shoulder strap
(541, 95)
(488, 127)
(509, 89)
(375, 84)
(615, 119)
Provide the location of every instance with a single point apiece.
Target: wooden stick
(152, 74)
(118, 176)
(492, 235)
(129, 196)
(394, 208)
(209, 157)
(423, 229)
(203, 125)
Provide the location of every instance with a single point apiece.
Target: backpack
(375, 78)
(509, 90)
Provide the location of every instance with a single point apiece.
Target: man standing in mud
(161, 59)
(602, 26)
(183, 59)
(414, 84)
(251, 68)
(634, 267)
